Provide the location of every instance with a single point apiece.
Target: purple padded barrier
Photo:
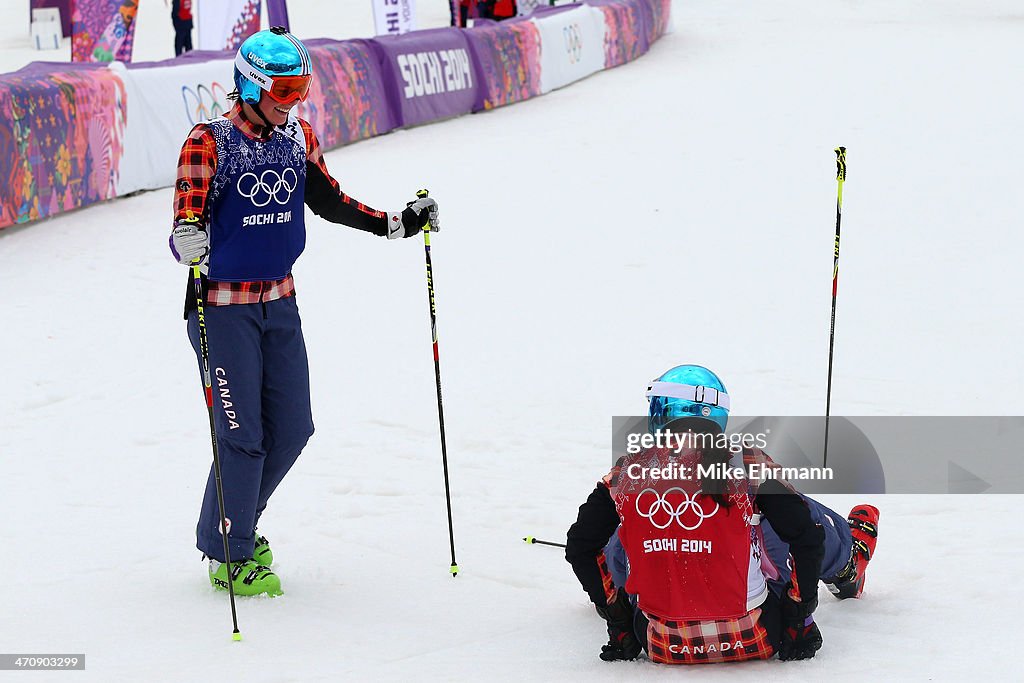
(347, 100)
(658, 16)
(506, 57)
(46, 68)
(626, 31)
(548, 10)
(61, 139)
(429, 75)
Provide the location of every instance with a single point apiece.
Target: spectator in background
(502, 9)
(488, 9)
(467, 10)
(181, 17)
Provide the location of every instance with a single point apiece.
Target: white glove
(410, 221)
(189, 243)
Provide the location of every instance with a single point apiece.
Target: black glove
(800, 635)
(410, 221)
(622, 643)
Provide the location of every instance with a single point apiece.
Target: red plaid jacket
(197, 165)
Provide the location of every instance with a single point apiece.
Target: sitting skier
(699, 569)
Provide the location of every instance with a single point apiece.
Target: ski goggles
(285, 89)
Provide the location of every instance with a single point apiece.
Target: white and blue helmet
(687, 391)
(267, 55)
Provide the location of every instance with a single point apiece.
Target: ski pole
(531, 540)
(840, 178)
(437, 376)
(204, 351)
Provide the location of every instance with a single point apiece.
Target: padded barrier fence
(75, 134)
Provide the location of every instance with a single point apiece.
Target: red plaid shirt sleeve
(196, 166)
(315, 156)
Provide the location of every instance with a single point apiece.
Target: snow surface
(676, 209)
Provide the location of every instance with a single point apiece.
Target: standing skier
(238, 208)
(698, 568)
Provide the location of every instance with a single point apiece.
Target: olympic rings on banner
(203, 103)
(573, 42)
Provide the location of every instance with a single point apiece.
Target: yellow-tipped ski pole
(204, 352)
(840, 179)
(437, 376)
(536, 541)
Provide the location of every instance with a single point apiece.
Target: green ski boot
(247, 578)
(262, 553)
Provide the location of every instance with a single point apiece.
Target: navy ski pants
(838, 544)
(261, 410)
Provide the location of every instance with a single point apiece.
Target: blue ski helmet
(267, 54)
(687, 391)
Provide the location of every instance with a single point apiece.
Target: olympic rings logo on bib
(663, 508)
(268, 186)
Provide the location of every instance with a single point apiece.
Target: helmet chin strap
(267, 126)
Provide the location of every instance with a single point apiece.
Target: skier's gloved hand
(622, 642)
(415, 216)
(621, 647)
(188, 242)
(800, 635)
